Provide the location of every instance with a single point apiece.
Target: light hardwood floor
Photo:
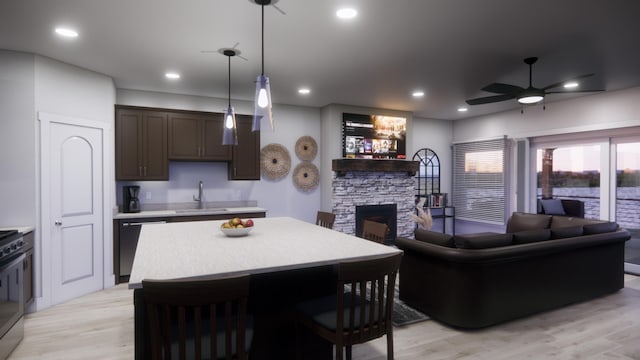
(100, 326)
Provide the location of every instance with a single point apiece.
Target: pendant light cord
(262, 6)
(229, 80)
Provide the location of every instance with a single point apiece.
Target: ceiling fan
(528, 96)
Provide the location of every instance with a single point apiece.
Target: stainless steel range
(11, 291)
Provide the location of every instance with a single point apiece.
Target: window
(575, 174)
(479, 181)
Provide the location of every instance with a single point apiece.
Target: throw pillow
(566, 232)
(529, 236)
(522, 222)
(434, 237)
(482, 240)
(553, 207)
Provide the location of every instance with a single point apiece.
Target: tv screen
(373, 136)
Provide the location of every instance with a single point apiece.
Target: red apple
(248, 223)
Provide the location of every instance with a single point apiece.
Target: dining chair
(325, 219)
(193, 319)
(374, 231)
(361, 311)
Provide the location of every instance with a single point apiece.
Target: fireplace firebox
(383, 213)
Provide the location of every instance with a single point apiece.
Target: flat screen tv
(373, 136)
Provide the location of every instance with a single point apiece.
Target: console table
(444, 213)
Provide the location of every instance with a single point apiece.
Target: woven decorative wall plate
(306, 176)
(275, 161)
(306, 148)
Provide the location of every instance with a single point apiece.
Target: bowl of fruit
(236, 227)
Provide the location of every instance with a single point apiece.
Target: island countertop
(191, 249)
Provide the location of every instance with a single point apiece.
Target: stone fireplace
(367, 182)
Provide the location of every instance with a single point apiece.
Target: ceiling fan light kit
(531, 96)
(528, 96)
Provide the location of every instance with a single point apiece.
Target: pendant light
(263, 88)
(230, 131)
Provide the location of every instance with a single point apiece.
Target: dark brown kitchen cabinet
(141, 145)
(245, 163)
(197, 137)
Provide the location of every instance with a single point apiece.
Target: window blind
(479, 180)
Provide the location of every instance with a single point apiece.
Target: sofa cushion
(529, 236)
(482, 240)
(434, 237)
(564, 221)
(603, 227)
(566, 232)
(522, 222)
(552, 207)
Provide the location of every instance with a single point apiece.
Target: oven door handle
(15, 262)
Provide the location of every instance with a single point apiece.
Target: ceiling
(450, 49)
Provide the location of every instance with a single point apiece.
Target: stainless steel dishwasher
(129, 231)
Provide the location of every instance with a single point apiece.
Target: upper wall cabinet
(197, 137)
(246, 155)
(141, 145)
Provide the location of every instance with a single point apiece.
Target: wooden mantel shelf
(341, 166)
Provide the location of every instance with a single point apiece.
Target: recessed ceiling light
(172, 75)
(417, 93)
(571, 85)
(304, 91)
(462, 109)
(347, 13)
(66, 32)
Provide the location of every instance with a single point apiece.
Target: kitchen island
(289, 260)
(127, 226)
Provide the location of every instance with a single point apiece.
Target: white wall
(435, 135)
(599, 112)
(332, 140)
(30, 84)
(280, 198)
(73, 92)
(17, 139)
(594, 112)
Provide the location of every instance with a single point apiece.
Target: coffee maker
(130, 201)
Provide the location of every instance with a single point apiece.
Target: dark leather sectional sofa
(541, 263)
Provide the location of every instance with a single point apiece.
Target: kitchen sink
(200, 210)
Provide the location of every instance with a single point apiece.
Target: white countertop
(189, 212)
(188, 249)
(23, 229)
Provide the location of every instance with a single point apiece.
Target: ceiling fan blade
(491, 99)
(555, 85)
(573, 91)
(499, 88)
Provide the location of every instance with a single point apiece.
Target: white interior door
(76, 210)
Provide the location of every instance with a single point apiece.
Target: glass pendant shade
(229, 132)
(262, 103)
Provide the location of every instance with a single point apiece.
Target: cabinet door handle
(145, 171)
(143, 223)
(139, 170)
(203, 151)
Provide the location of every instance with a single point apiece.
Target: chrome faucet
(199, 198)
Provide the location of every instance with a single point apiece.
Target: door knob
(58, 222)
